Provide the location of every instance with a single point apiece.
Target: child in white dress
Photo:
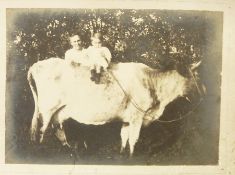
(98, 56)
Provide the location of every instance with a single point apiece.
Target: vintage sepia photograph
(113, 86)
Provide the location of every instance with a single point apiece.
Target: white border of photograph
(226, 164)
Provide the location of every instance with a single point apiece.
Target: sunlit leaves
(135, 35)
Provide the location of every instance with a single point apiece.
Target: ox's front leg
(124, 136)
(134, 132)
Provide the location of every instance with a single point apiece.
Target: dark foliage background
(158, 38)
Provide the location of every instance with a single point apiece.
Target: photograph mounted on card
(113, 86)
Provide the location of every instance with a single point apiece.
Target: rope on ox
(126, 94)
(162, 121)
(182, 117)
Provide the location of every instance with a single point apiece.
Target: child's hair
(97, 35)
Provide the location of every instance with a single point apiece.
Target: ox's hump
(47, 65)
(49, 68)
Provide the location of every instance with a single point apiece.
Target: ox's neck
(168, 85)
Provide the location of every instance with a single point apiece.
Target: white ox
(134, 94)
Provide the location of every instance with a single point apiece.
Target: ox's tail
(34, 124)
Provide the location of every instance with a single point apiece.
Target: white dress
(98, 57)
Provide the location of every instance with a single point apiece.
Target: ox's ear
(195, 65)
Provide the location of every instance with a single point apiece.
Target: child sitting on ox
(98, 56)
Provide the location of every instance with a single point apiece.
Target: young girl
(99, 57)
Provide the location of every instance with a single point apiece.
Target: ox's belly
(93, 108)
(90, 114)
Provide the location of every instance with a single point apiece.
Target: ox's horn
(195, 65)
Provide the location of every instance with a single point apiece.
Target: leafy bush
(155, 38)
